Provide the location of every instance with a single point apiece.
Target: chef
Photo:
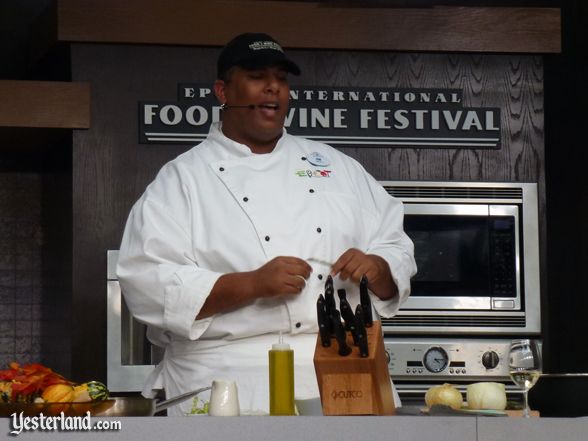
(232, 243)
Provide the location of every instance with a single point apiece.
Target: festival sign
(339, 116)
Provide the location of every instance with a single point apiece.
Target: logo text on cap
(258, 45)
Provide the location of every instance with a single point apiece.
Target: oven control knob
(490, 359)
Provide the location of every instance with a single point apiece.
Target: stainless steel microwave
(477, 252)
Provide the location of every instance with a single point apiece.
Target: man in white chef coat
(232, 243)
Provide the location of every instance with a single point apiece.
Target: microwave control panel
(446, 359)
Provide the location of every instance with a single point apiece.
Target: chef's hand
(353, 264)
(281, 275)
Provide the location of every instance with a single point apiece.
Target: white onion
(445, 394)
(486, 396)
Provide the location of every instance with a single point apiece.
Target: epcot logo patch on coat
(314, 173)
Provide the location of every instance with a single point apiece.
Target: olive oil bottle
(281, 379)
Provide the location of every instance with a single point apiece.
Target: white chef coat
(219, 208)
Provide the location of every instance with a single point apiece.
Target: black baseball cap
(253, 51)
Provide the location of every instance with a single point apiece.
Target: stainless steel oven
(477, 287)
(130, 356)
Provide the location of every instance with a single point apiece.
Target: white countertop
(394, 428)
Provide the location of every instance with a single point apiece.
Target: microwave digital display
(463, 256)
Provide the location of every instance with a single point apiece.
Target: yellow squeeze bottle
(281, 378)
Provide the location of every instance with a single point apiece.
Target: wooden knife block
(353, 385)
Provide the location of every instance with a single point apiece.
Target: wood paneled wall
(319, 25)
(111, 170)
(44, 104)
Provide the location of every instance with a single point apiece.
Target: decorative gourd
(90, 391)
(5, 391)
(58, 393)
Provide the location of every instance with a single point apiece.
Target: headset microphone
(248, 106)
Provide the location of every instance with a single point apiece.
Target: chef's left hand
(353, 264)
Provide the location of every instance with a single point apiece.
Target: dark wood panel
(111, 169)
(512, 83)
(44, 104)
(326, 26)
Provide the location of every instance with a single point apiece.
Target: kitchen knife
(330, 304)
(361, 332)
(365, 301)
(344, 349)
(347, 314)
(323, 322)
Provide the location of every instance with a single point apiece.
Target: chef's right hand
(281, 275)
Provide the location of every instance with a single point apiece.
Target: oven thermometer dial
(436, 359)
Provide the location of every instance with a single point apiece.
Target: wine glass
(525, 366)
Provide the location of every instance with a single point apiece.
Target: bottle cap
(280, 345)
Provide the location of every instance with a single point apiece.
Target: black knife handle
(365, 301)
(323, 322)
(349, 317)
(330, 304)
(330, 293)
(361, 332)
(344, 349)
